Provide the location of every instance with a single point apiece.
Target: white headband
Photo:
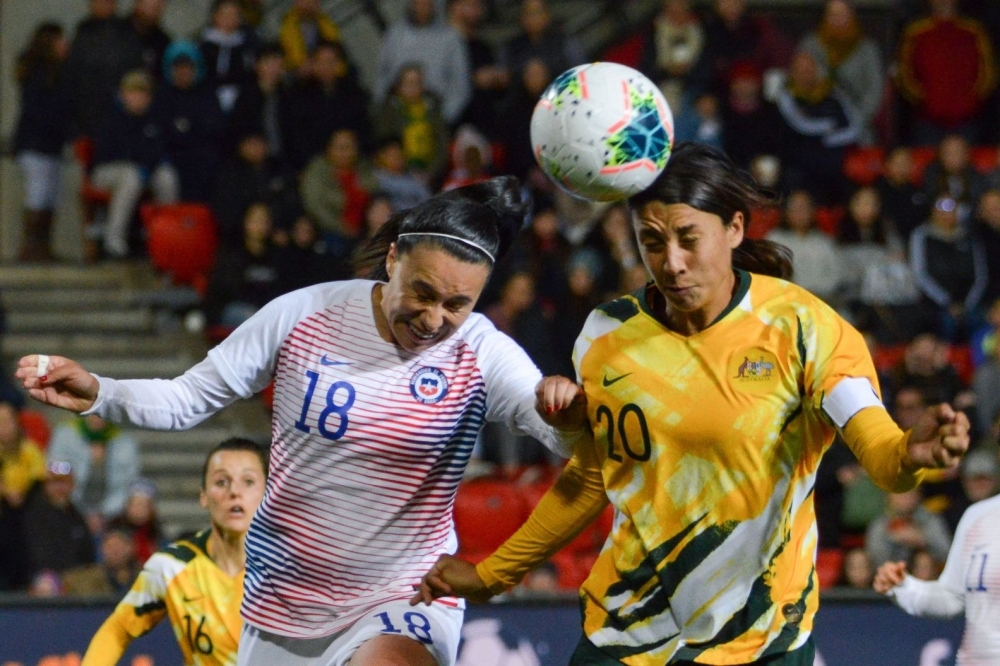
(460, 240)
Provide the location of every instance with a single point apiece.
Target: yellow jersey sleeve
(573, 502)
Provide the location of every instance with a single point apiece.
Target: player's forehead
(234, 462)
(427, 268)
(660, 219)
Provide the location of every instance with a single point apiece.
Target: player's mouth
(419, 336)
(236, 511)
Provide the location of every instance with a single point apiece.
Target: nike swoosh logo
(608, 382)
(187, 601)
(327, 362)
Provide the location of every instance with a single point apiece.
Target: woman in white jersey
(381, 387)
(970, 584)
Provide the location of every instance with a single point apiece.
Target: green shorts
(587, 654)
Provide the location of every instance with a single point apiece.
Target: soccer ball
(602, 131)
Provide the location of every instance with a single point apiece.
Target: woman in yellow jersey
(196, 582)
(712, 394)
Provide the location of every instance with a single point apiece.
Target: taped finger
(42, 366)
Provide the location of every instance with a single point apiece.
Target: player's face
(689, 253)
(234, 487)
(429, 295)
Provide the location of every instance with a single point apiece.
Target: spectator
(471, 158)
(923, 566)
(542, 251)
(254, 174)
(904, 529)
(192, 121)
(672, 49)
(986, 386)
(980, 478)
(751, 125)
(583, 275)
(815, 262)
(539, 39)
(516, 112)
(925, 368)
(260, 107)
(394, 177)
(421, 39)
(245, 278)
(852, 60)
(821, 124)
(328, 101)
(905, 205)
(489, 80)
(229, 49)
(378, 212)
(950, 268)
(303, 28)
(700, 122)
(112, 575)
(305, 260)
(13, 565)
(153, 41)
(335, 190)
(22, 463)
(104, 49)
(986, 338)
(875, 269)
(105, 462)
(946, 72)
(858, 572)
(987, 228)
(952, 174)
(42, 130)
(732, 36)
(414, 113)
(129, 157)
(139, 520)
(56, 537)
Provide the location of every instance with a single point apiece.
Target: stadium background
(865, 619)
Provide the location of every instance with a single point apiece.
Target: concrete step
(171, 463)
(136, 367)
(78, 344)
(62, 276)
(72, 298)
(204, 435)
(178, 487)
(181, 515)
(139, 321)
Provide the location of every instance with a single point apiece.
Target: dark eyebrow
(424, 286)
(683, 231)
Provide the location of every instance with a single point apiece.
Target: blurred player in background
(970, 584)
(196, 582)
(381, 388)
(712, 393)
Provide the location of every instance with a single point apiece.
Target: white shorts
(437, 627)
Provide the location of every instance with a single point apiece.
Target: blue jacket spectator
(229, 49)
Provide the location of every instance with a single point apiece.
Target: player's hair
(236, 444)
(706, 179)
(476, 224)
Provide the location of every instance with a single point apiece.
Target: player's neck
(227, 549)
(381, 321)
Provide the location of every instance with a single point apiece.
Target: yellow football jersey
(709, 446)
(180, 582)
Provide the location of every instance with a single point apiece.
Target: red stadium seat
(863, 166)
(829, 564)
(828, 220)
(487, 512)
(35, 427)
(984, 158)
(763, 220)
(92, 197)
(886, 357)
(627, 51)
(960, 357)
(181, 241)
(922, 156)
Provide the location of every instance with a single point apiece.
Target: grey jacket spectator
(986, 386)
(439, 50)
(905, 529)
(101, 490)
(852, 60)
(948, 264)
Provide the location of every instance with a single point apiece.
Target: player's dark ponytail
(706, 179)
(476, 224)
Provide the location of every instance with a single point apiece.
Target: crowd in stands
(881, 153)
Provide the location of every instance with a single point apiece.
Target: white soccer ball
(602, 131)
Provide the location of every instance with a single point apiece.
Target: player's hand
(888, 576)
(938, 440)
(561, 403)
(451, 577)
(64, 383)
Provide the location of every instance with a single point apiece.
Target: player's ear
(391, 258)
(202, 499)
(735, 229)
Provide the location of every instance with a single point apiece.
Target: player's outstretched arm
(888, 576)
(451, 577)
(57, 381)
(108, 644)
(562, 404)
